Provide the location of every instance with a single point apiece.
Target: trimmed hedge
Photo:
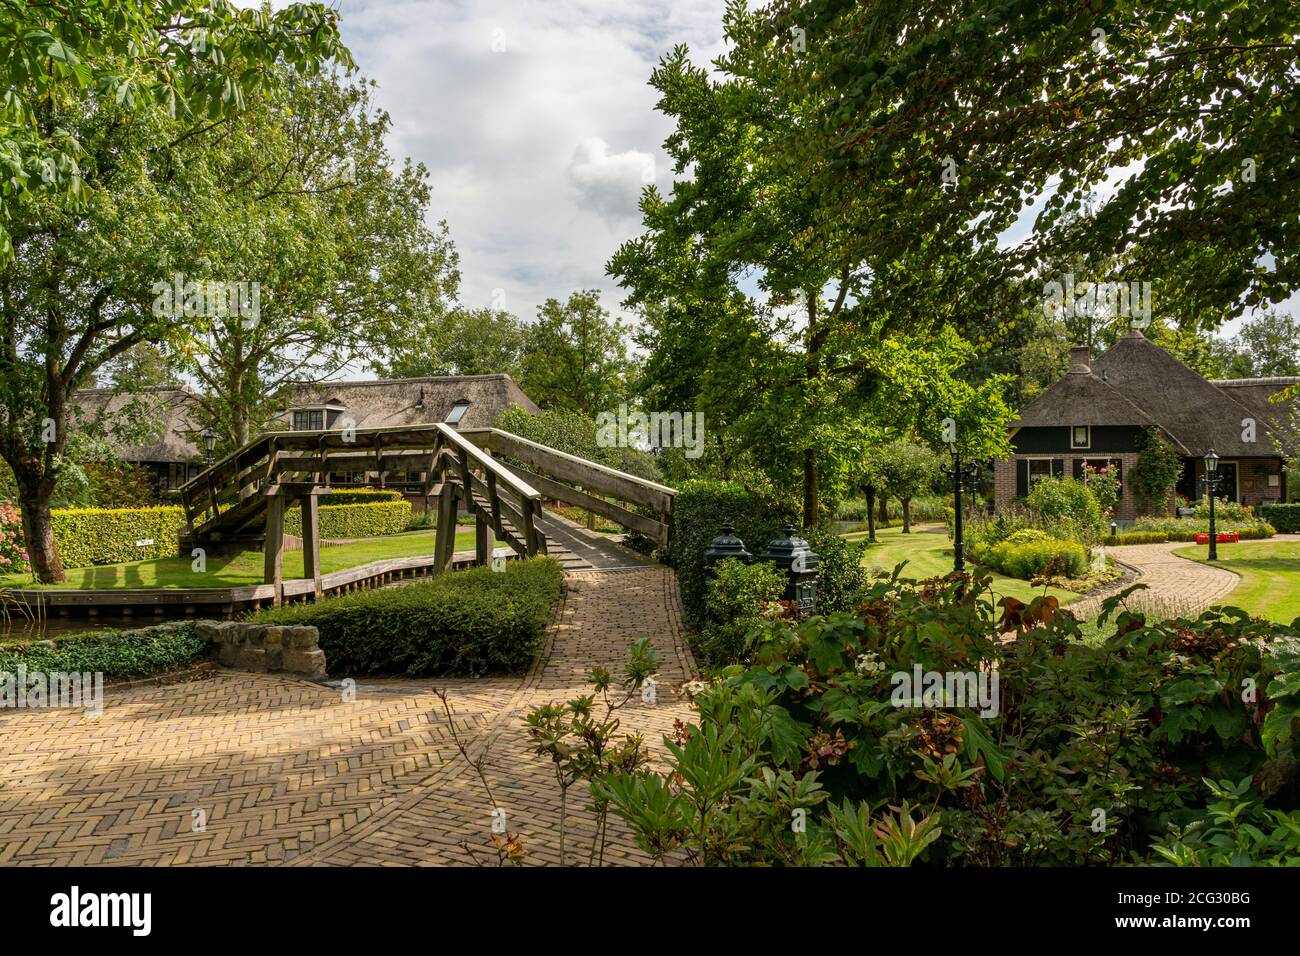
(360, 496)
(114, 653)
(368, 519)
(1028, 559)
(699, 512)
(1285, 518)
(465, 623)
(1135, 537)
(88, 536)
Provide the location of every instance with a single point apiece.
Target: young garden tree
(1156, 472)
(110, 103)
(907, 469)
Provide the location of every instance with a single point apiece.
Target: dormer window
(309, 420)
(457, 412)
(1081, 436)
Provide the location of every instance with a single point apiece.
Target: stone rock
(254, 634)
(227, 654)
(251, 659)
(227, 632)
(206, 630)
(274, 636)
(301, 638)
(306, 663)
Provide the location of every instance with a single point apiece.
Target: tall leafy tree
(459, 341)
(576, 356)
(313, 209)
(109, 100)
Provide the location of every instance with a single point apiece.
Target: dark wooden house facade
(1096, 413)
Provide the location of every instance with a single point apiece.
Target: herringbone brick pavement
(253, 769)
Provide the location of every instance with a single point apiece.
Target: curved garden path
(285, 771)
(1174, 585)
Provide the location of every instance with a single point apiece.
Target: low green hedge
(360, 496)
(1186, 529)
(1285, 518)
(1136, 537)
(87, 536)
(362, 520)
(1029, 559)
(113, 653)
(464, 623)
(699, 512)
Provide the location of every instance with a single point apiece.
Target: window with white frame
(1081, 436)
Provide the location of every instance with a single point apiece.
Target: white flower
(869, 665)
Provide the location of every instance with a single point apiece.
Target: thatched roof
(163, 415)
(374, 404)
(1136, 382)
(1254, 394)
(414, 401)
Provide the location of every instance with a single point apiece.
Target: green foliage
(1135, 537)
(365, 519)
(88, 536)
(1186, 529)
(574, 433)
(905, 469)
(13, 553)
(1155, 474)
(1067, 500)
(114, 653)
(736, 600)
(1229, 511)
(577, 356)
(1105, 487)
(1285, 518)
(1127, 724)
(1048, 557)
(840, 574)
(465, 623)
(360, 496)
(1234, 830)
(700, 511)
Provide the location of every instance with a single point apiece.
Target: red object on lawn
(1223, 537)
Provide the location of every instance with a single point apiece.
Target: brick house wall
(1004, 480)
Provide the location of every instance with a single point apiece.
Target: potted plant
(1184, 507)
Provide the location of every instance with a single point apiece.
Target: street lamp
(1212, 479)
(958, 472)
(209, 443)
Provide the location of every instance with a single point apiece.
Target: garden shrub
(89, 536)
(1026, 535)
(114, 653)
(1030, 559)
(1223, 511)
(1141, 723)
(735, 601)
(1156, 472)
(1285, 518)
(701, 509)
(1062, 500)
(840, 575)
(368, 519)
(1136, 537)
(354, 496)
(1186, 529)
(463, 623)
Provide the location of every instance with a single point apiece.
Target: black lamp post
(209, 443)
(1211, 480)
(959, 472)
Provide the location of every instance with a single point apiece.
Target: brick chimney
(1080, 359)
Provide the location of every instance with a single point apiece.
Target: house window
(1039, 468)
(457, 412)
(1081, 436)
(310, 420)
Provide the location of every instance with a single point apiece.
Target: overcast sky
(537, 125)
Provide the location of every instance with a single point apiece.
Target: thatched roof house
(164, 440)
(1094, 416)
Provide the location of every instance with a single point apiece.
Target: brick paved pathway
(1174, 585)
(286, 772)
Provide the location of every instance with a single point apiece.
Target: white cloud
(535, 121)
(610, 183)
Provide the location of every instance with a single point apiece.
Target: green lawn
(244, 568)
(929, 554)
(1270, 576)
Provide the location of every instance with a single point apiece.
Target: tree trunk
(810, 488)
(38, 538)
(884, 511)
(870, 493)
(907, 515)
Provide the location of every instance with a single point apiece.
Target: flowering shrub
(13, 554)
(1095, 753)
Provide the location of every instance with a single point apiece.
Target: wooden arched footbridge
(500, 478)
